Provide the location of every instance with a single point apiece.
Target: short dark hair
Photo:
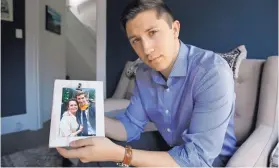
(78, 93)
(137, 6)
(68, 102)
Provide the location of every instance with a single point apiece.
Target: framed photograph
(77, 111)
(53, 20)
(7, 10)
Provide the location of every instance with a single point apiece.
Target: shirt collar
(180, 65)
(179, 68)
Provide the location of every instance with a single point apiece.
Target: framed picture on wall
(7, 10)
(77, 111)
(53, 20)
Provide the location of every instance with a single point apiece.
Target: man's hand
(94, 149)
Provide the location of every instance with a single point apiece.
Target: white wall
(93, 14)
(88, 16)
(52, 56)
(80, 49)
(101, 33)
(45, 62)
(85, 10)
(77, 68)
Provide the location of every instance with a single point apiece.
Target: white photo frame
(57, 138)
(7, 10)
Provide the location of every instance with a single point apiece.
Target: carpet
(36, 157)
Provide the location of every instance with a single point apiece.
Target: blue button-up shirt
(193, 110)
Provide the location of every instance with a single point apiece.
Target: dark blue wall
(13, 63)
(118, 48)
(220, 25)
(217, 25)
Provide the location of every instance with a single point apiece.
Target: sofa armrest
(255, 151)
(112, 104)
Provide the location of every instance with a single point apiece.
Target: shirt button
(167, 111)
(169, 130)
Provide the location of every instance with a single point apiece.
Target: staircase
(80, 47)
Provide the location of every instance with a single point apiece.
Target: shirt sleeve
(134, 119)
(214, 100)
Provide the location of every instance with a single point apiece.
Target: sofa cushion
(247, 91)
(234, 58)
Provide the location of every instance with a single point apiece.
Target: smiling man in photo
(86, 114)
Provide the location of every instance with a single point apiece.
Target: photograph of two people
(78, 112)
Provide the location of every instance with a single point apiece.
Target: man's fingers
(72, 153)
(82, 142)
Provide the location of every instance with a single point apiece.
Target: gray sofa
(256, 116)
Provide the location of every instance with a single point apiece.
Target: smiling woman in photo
(68, 124)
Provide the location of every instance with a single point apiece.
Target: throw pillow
(234, 58)
(132, 69)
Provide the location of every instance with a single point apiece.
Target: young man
(85, 114)
(187, 92)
